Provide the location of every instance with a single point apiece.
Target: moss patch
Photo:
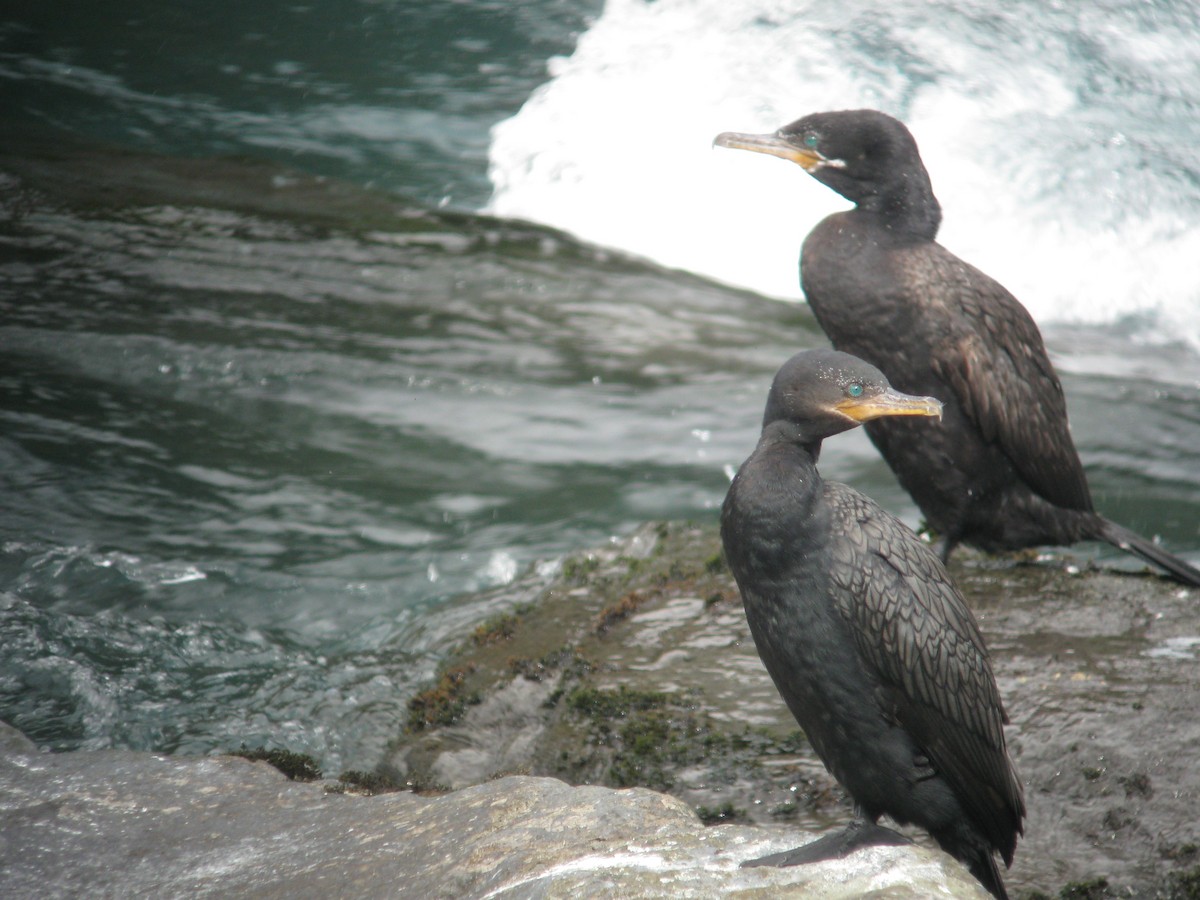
(622, 609)
(445, 702)
(496, 629)
(1184, 885)
(614, 704)
(296, 766)
(578, 568)
(720, 815)
(625, 737)
(1094, 889)
(353, 781)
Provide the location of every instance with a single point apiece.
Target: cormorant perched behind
(864, 634)
(1002, 472)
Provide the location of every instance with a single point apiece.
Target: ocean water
(316, 320)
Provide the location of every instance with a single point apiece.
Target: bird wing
(995, 361)
(913, 628)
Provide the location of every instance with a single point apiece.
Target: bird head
(825, 392)
(866, 156)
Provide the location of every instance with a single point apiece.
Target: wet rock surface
(636, 668)
(633, 668)
(118, 824)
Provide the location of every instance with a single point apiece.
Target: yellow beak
(774, 145)
(892, 403)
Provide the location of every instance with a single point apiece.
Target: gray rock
(663, 688)
(116, 823)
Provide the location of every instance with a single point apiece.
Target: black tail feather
(985, 869)
(1131, 542)
(969, 847)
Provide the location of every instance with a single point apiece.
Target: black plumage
(864, 634)
(1002, 473)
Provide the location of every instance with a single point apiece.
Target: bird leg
(945, 545)
(861, 832)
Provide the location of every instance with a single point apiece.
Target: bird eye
(855, 390)
(810, 140)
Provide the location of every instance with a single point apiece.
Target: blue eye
(810, 140)
(855, 390)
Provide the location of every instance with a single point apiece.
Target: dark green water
(394, 95)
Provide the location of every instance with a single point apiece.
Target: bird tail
(970, 848)
(985, 869)
(1131, 542)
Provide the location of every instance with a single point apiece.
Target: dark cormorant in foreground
(1002, 472)
(864, 634)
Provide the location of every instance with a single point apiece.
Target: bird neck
(774, 504)
(906, 207)
(784, 434)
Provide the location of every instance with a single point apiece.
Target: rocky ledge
(120, 824)
(630, 674)
(635, 667)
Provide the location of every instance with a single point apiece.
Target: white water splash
(1065, 153)
(501, 568)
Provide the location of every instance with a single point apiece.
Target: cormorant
(864, 634)
(1002, 472)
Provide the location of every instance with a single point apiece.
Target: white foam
(1041, 182)
(501, 568)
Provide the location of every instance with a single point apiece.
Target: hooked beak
(889, 403)
(807, 158)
